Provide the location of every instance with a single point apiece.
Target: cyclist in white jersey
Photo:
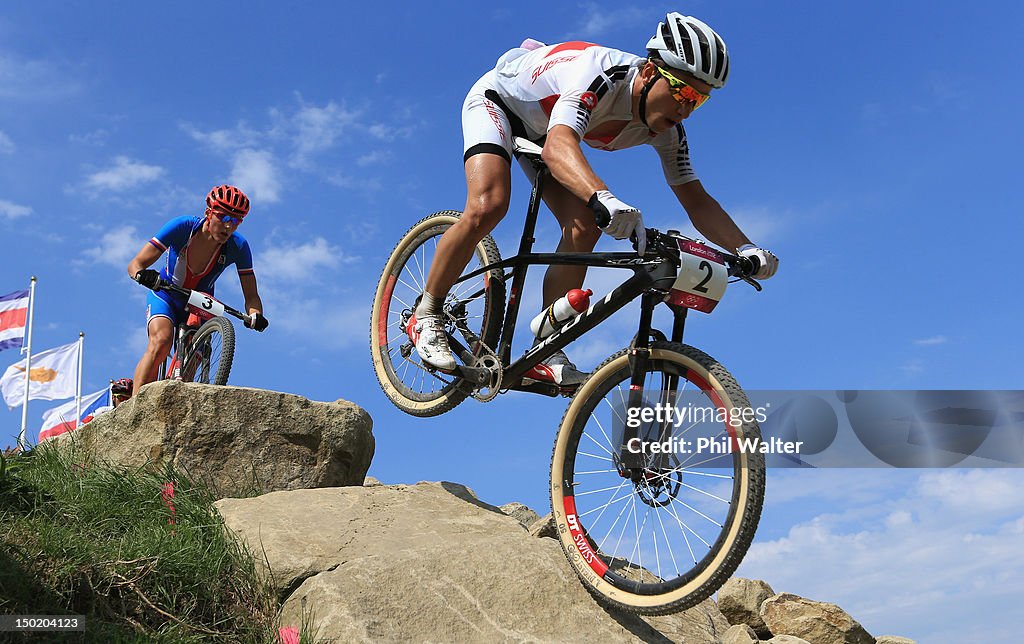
(559, 96)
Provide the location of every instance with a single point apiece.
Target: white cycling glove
(768, 263)
(617, 219)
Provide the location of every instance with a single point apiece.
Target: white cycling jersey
(577, 84)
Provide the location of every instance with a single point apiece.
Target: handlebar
(666, 245)
(164, 285)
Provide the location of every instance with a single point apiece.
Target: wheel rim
(656, 534)
(407, 280)
(204, 360)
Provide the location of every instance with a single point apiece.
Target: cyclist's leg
(579, 235)
(488, 181)
(487, 147)
(162, 317)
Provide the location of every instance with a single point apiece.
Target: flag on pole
(60, 420)
(54, 375)
(13, 317)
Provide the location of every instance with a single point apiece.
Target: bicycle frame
(650, 275)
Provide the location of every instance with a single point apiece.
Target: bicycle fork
(632, 463)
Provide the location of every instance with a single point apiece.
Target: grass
(77, 537)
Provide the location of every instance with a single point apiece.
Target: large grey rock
(740, 601)
(894, 639)
(520, 512)
(739, 634)
(414, 563)
(818, 622)
(239, 441)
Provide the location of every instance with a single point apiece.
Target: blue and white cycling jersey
(175, 238)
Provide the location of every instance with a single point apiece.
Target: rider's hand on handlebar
(148, 278)
(256, 321)
(765, 261)
(617, 219)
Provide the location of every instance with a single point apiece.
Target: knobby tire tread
(749, 522)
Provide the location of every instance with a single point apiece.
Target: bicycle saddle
(526, 148)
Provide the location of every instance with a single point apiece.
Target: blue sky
(870, 145)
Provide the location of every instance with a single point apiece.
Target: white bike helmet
(686, 43)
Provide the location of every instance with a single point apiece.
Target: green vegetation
(111, 544)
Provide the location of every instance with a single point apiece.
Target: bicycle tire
(599, 564)
(208, 360)
(410, 385)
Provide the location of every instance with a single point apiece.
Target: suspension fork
(639, 357)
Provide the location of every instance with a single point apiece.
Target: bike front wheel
(663, 536)
(209, 353)
(477, 304)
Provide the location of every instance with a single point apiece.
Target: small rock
(370, 481)
(818, 622)
(740, 634)
(544, 527)
(894, 639)
(520, 513)
(787, 639)
(740, 601)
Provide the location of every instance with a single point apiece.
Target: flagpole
(78, 398)
(27, 350)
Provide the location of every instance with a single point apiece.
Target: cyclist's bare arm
(253, 303)
(568, 166)
(708, 216)
(146, 257)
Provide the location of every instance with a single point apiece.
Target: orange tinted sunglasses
(681, 91)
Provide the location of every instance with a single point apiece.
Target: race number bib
(205, 305)
(703, 276)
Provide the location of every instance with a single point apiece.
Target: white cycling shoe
(428, 336)
(558, 370)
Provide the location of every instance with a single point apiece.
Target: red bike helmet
(228, 199)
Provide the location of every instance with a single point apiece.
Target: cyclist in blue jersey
(199, 248)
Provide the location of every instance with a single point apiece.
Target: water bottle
(560, 312)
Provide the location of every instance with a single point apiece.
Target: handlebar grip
(749, 265)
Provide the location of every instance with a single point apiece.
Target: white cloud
(96, 137)
(944, 551)
(761, 224)
(124, 174)
(971, 492)
(600, 20)
(10, 210)
(377, 156)
(389, 133)
(255, 173)
(116, 247)
(317, 129)
(300, 263)
(34, 79)
(938, 339)
(226, 141)
(345, 181)
(6, 144)
(912, 367)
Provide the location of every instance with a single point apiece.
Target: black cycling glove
(256, 321)
(148, 278)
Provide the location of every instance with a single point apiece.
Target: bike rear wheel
(209, 353)
(665, 537)
(412, 386)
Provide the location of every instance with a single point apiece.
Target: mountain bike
(652, 530)
(202, 347)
